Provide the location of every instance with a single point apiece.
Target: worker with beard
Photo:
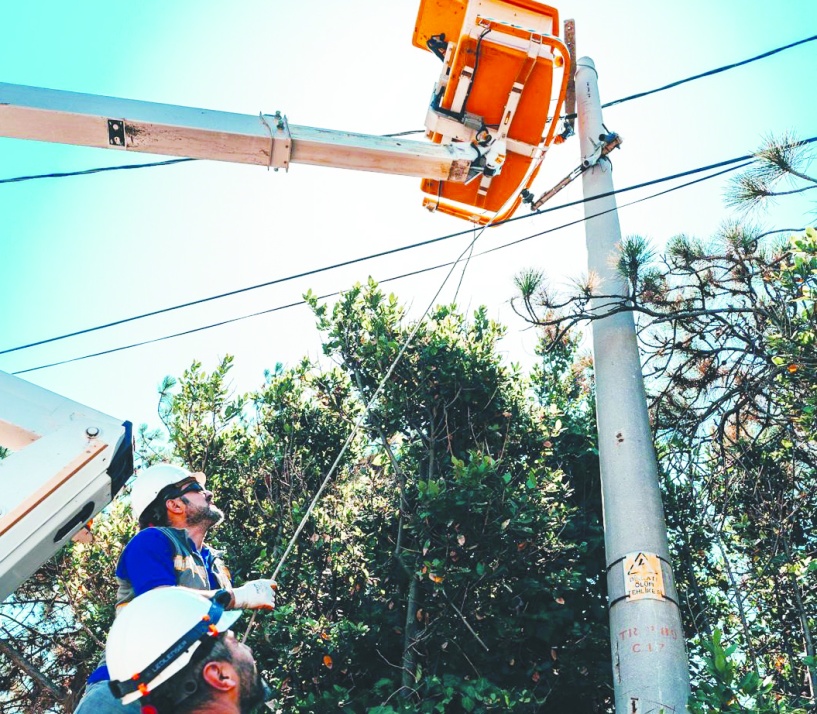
(172, 652)
(175, 512)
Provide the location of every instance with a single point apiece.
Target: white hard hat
(156, 634)
(152, 480)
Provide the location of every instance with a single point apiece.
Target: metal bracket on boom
(280, 140)
(606, 143)
(116, 132)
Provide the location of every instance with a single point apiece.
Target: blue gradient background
(82, 251)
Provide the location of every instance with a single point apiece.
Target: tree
(727, 330)
(450, 566)
(474, 553)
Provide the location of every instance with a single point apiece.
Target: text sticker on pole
(643, 579)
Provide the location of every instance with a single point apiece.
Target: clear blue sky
(82, 251)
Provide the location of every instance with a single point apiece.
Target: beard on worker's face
(208, 513)
(253, 690)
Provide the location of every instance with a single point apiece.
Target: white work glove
(254, 595)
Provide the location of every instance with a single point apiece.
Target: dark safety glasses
(179, 491)
(190, 488)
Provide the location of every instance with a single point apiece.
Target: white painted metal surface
(67, 462)
(265, 140)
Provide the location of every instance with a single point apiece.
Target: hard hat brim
(225, 622)
(228, 619)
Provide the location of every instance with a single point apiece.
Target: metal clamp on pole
(607, 142)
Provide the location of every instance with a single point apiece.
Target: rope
(361, 418)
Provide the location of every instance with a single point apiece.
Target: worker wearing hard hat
(171, 651)
(175, 512)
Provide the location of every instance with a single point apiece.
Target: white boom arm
(266, 140)
(67, 462)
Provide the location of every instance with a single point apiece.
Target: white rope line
(363, 415)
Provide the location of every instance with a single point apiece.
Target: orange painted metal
(504, 48)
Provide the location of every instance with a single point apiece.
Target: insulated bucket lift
(66, 463)
(502, 87)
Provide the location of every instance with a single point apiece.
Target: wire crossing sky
(208, 236)
(638, 95)
(315, 271)
(336, 293)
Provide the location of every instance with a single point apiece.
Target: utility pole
(650, 669)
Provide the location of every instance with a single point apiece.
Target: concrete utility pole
(650, 669)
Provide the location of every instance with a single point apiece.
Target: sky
(82, 251)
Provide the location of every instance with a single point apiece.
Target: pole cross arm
(266, 140)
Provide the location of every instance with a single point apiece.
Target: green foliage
(733, 410)
(449, 567)
(734, 414)
(779, 160)
(729, 686)
(792, 350)
(475, 577)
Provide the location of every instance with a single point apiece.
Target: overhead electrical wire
(391, 279)
(372, 256)
(354, 261)
(710, 72)
(382, 253)
(613, 103)
(85, 172)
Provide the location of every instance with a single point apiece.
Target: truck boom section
(66, 463)
(265, 140)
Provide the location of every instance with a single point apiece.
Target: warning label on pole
(643, 579)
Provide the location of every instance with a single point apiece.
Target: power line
(631, 203)
(582, 220)
(85, 172)
(710, 72)
(638, 95)
(386, 280)
(230, 293)
(360, 259)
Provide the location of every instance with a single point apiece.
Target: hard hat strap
(203, 628)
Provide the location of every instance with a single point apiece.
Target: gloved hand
(254, 595)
